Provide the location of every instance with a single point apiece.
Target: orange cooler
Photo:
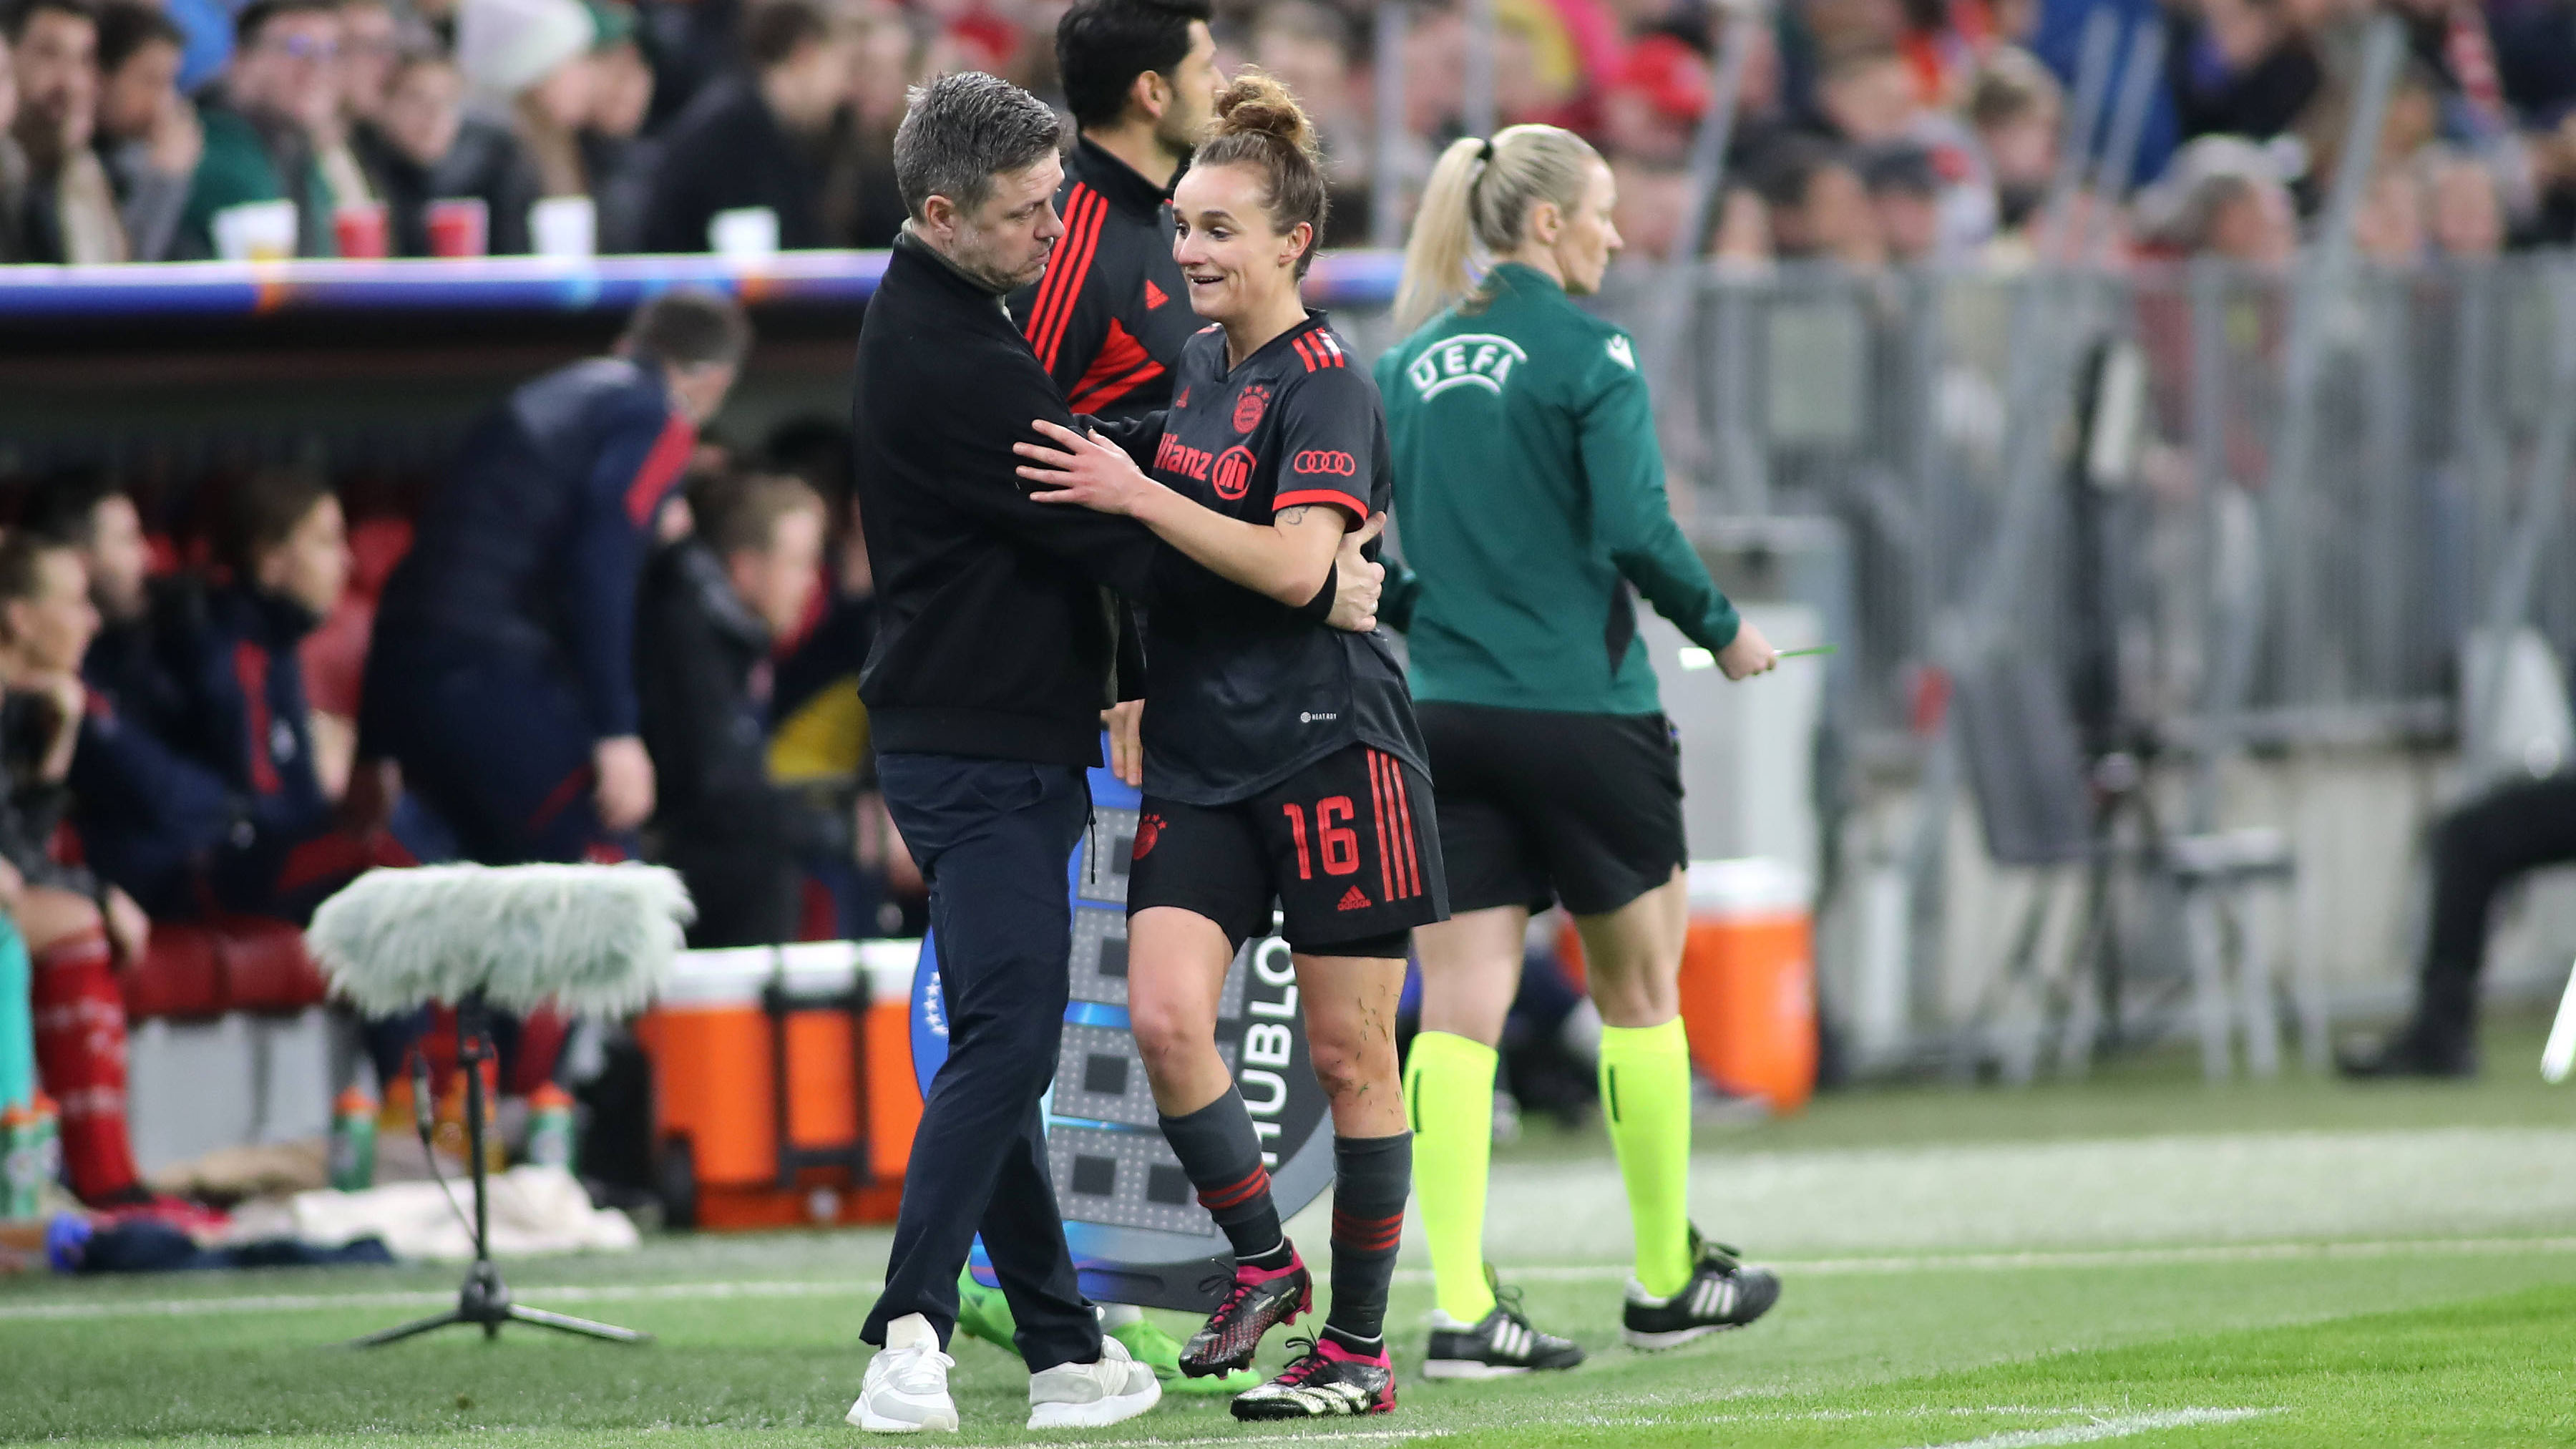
(742, 1146)
(1749, 980)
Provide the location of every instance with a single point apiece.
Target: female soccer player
(1533, 496)
(1281, 757)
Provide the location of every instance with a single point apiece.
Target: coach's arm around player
(1292, 559)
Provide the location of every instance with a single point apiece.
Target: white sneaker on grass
(906, 1390)
(1089, 1395)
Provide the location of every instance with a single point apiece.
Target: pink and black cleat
(1259, 1300)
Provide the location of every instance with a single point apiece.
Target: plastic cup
(256, 231)
(746, 234)
(565, 227)
(362, 230)
(459, 227)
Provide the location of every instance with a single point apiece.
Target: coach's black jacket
(998, 634)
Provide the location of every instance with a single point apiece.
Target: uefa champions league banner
(1136, 1228)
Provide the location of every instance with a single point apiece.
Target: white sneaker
(906, 1390)
(1089, 1395)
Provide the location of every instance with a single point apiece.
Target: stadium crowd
(1869, 131)
(599, 640)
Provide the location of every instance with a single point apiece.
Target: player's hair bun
(1260, 125)
(1256, 104)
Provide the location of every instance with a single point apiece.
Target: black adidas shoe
(1722, 1293)
(1499, 1344)
(1256, 1301)
(2414, 1051)
(1327, 1381)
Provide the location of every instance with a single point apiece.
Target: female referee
(1281, 757)
(1533, 496)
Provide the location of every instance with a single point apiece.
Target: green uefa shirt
(1530, 492)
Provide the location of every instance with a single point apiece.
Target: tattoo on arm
(1292, 515)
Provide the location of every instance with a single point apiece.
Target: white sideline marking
(1562, 1273)
(2090, 1258)
(2119, 1428)
(310, 1302)
(1379, 1437)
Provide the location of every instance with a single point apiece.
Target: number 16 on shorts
(1347, 846)
(1362, 850)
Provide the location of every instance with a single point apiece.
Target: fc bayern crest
(1135, 1225)
(1249, 407)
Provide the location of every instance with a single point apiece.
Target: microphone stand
(485, 1299)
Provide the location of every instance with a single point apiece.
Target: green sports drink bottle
(353, 1141)
(550, 1127)
(17, 1163)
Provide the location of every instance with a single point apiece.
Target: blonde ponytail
(1436, 258)
(1479, 200)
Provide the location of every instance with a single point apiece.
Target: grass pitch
(2136, 1259)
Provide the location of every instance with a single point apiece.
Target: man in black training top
(987, 686)
(1108, 320)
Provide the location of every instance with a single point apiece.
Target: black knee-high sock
(1372, 1176)
(1222, 1155)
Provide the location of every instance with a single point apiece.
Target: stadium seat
(194, 971)
(180, 977)
(266, 968)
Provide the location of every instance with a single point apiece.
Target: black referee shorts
(1349, 847)
(1538, 806)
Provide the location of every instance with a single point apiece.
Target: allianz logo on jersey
(1479, 359)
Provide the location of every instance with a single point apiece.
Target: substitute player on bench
(1281, 759)
(1533, 497)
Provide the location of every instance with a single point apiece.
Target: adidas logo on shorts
(1353, 900)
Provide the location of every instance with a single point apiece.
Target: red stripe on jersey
(1404, 813)
(1120, 354)
(1333, 496)
(1052, 292)
(1377, 800)
(1083, 244)
(1303, 355)
(1086, 245)
(1051, 289)
(1111, 391)
(662, 467)
(1328, 349)
(1378, 765)
(250, 671)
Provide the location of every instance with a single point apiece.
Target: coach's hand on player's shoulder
(1125, 722)
(1093, 472)
(1750, 654)
(1357, 581)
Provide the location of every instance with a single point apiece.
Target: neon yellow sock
(1449, 1091)
(1646, 1098)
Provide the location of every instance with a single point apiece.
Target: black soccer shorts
(1538, 806)
(1348, 847)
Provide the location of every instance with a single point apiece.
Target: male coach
(993, 670)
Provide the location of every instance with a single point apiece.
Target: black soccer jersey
(1240, 692)
(1110, 316)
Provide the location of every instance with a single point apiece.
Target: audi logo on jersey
(1233, 472)
(1324, 461)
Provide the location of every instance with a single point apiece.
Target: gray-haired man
(997, 660)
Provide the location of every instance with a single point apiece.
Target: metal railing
(1885, 402)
